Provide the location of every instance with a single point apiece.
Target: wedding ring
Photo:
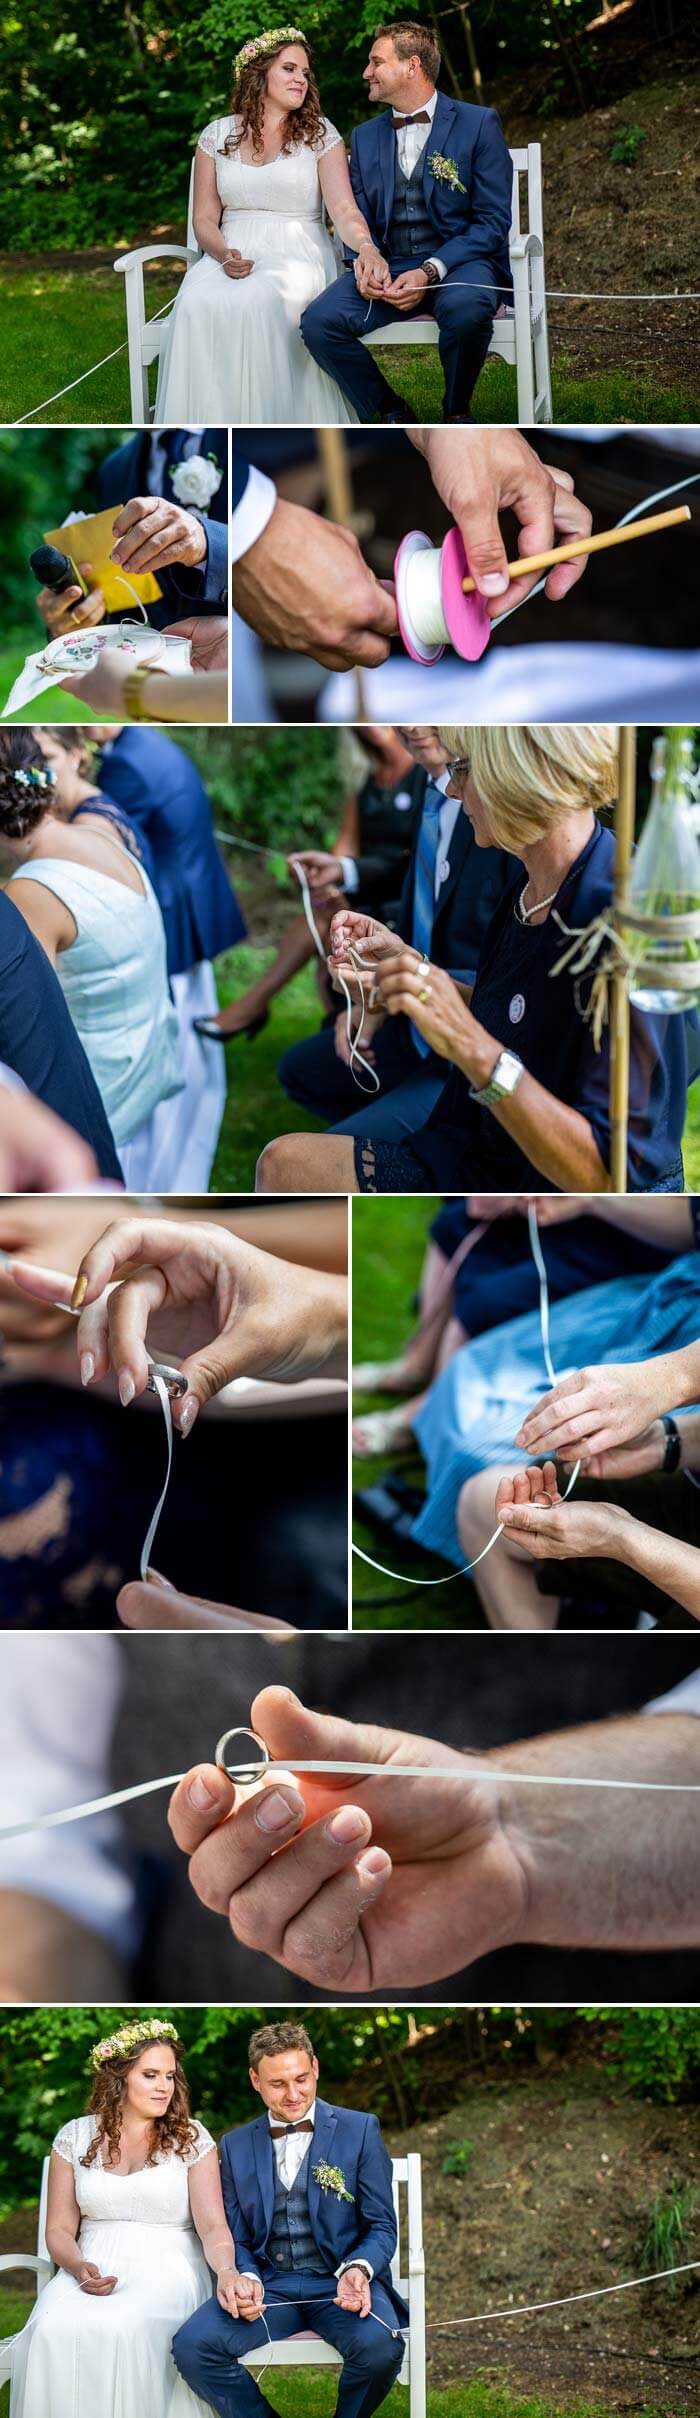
(425, 994)
(173, 1380)
(244, 1774)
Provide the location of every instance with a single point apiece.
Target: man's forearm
(604, 1869)
(667, 1561)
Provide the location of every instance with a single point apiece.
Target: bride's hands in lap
(219, 1305)
(235, 265)
(90, 2279)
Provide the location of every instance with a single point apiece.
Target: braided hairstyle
(26, 782)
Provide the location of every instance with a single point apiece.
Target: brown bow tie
(421, 118)
(278, 2132)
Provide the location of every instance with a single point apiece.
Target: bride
(135, 2221)
(262, 176)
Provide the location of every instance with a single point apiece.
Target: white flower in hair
(196, 481)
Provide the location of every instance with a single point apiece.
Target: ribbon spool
(433, 611)
(245, 1775)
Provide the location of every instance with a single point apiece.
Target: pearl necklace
(524, 913)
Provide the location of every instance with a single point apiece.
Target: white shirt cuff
(351, 878)
(355, 2262)
(436, 264)
(683, 1699)
(251, 516)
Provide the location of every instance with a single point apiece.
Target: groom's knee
(373, 2351)
(187, 2348)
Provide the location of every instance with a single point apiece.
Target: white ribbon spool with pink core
(433, 611)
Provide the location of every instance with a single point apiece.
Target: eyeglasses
(457, 764)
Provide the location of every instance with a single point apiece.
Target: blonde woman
(525, 1103)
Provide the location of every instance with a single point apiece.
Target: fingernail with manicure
(199, 1795)
(79, 1291)
(188, 1414)
(87, 1368)
(275, 1811)
(127, 1388)
(346, 1825)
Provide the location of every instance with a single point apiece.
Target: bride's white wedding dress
(233, 351)
(91, 2358)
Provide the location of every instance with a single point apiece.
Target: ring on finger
(426, 993)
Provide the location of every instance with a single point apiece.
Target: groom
(434, 179)
(308, 2197)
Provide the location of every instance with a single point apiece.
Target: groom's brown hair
(273, 2038)
(411, 40)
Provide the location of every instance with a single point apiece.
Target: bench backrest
(527, 205)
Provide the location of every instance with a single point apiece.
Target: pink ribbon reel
(432, 609)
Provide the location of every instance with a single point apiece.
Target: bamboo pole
(338, 485)
(590, 545)
(619, 997)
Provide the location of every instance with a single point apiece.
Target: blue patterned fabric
(475, 1409)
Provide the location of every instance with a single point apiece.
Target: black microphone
(53, 569)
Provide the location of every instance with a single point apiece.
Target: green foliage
(625, 149)
(667, 2232)
(271, 786)
(44, 473)
(457, 2159)
(656, 2050)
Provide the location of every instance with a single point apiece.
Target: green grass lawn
(388, 1243)
(57, 321)
(691, 1141)
(63, 707)
(312, 2394)
(256, 1107)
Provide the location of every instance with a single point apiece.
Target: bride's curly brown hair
(172, 2134)
(304, 125)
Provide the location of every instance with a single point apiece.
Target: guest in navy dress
(39, 1042)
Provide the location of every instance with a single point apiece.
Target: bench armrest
(21, 2258)
(522, 246)
(155, 251)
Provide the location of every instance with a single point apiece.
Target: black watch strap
(672, 1455)
(431, 272)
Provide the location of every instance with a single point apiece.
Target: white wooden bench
(519, 331)
(304, 2350)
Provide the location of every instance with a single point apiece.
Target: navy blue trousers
(208, 2347)
(464, 306)
(314, 1076)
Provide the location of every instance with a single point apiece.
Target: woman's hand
(551, 1530)
(223, 1308)
(596, 1409)
(404, 1881)
(406, 986)
(553, 1209)
(528, 1486)
(153, 1603)
(363, 933)
(234, 264)
(49, 1232)
(91, 2280)
(102, 688)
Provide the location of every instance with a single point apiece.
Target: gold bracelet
(133, 692)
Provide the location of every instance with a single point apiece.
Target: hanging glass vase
(660, 917)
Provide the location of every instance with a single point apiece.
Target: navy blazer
(470, 227)
(363, 2227)
(38, 1039)
(466, 901)
(156, 785)
(124, 474)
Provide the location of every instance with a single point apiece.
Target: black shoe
(391, 1506)
(398, 414)
(212, 1032)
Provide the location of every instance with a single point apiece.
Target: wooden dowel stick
(619, 997)
(590, 545)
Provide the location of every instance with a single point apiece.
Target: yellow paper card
(90, 541)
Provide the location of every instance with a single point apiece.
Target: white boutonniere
(196, 481)
(331, 2178)
(445, 171)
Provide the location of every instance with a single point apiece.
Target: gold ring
(426, 994)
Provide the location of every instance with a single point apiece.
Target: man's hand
(153, 531)
(597, 1409)
(480, 472)
(71, 610)
(400, 1882)
(372, 272)
(324, 873)
(408, 289)
(208, 636)
(91, 2280)
(235, 265)
(241, 2295)
(354, 2292)
(305, 585)
(38, 1153)
(532, 1513)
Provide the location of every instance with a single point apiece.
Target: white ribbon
(401, 1576)
(160, 1388)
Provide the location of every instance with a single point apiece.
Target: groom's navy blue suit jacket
(470, 226)
(363, 2228)
(124, 474)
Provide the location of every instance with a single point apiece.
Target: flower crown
(263, 42)
(37, 777)
(131, 2036)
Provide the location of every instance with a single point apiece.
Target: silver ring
(173, 1380)
(244, 1774)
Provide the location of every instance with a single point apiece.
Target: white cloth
(556, 682)
(185, 1131)
(683, 1699)
(289, 2154)
(410, 142)
(80, 2357)
(251, 516)
(114, 980)
(233, 346)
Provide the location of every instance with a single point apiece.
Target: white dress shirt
(410, 142)
(251, 516)
(289, 2155)
(159, 454)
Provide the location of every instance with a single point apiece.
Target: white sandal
(379, 1432)
(369, 1378)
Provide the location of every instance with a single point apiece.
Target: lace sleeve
(209, 139)
(202, 2146)
(330, 138)
(66, 2143)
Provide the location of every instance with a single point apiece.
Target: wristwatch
(672, 1455)
(507, 1074)
(431, 271)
